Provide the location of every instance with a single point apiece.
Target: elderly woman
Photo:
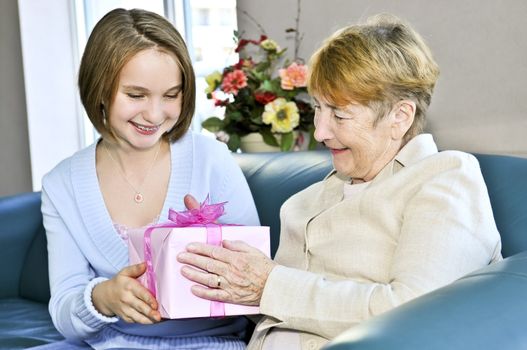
(393, 220)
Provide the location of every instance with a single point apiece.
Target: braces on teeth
(145, 128)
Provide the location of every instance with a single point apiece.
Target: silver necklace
(138, 195)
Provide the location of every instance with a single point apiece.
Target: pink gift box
(172, 289)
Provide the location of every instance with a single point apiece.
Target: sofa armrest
(483, 310)
(22, 248)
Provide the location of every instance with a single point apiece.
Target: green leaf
(212, 124)
(256, 116)
(312, 141)
(259, 76)
(235, 116)
(267, 85)
(287, 141)
(262, 67)
(269, 138)
(234, 142)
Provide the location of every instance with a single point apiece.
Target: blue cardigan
(84, 246)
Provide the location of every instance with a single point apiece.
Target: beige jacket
(423, 222)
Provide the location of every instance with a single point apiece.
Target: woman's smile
(336, 151)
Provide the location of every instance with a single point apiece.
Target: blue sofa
(484, 310)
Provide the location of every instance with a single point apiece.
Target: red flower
(264, 97)
(221, 103)
(244, 63)
(234, 81)
(241, 44)
(244, 42)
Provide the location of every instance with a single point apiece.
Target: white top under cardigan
(83, 243)
(424, 221)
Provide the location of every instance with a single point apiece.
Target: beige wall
(480, 103)
(15, 173)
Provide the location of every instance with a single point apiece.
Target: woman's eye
(135, 96)
(339, 118)
(173, 96)
(316, 106)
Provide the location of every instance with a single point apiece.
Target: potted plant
(263, 94)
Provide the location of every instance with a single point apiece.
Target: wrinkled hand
(240, 269)
(125, 297)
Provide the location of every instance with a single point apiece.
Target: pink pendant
(138, 198)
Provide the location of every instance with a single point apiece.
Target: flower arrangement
(262, 93)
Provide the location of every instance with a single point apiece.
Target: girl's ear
(403, 118)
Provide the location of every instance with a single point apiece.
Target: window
(53, 37)
(213, 47)
(200, 16)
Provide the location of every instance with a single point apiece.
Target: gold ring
(218, 284)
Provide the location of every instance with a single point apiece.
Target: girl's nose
(154, 113)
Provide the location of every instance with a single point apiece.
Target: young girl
(138, 88)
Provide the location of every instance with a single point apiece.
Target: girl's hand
(190, 202)
(235, 273)
(125, 297)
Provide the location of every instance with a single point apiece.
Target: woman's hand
(125, 297)
(235, 273)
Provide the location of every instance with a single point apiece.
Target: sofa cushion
(274, 177)
(506, 179)
(34, 280)
(20, 222)
(25, 323)
(23, 244)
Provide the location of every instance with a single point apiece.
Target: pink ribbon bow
(205, 216)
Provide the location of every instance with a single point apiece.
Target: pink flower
(218, 99)
(293, 76)
(234, 81)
